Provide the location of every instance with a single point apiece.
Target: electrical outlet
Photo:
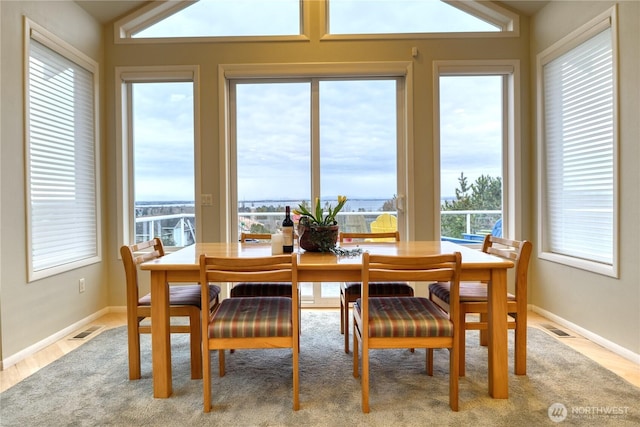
(81, 285)
(206, 199)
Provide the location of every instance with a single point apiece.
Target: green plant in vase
(318, 231)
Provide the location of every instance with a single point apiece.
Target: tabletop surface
(188, 258)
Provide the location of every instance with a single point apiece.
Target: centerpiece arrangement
(318, 232)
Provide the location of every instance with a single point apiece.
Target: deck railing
(179, 229)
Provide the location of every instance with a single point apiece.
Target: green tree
(484, 194)
(390, 205)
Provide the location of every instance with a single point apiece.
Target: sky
(357, 121)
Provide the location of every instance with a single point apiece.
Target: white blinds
(579, 151)
(63, 220)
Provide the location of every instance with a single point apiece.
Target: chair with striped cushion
(184, 301)
(259, 289)
(406, 322)
(251, 322)
(473, 299)
(350, 291)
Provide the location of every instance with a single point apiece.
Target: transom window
(269, 19)
(401, 16)
(224, 18)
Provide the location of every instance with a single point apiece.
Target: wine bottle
(287, 232)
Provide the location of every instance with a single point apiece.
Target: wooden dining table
(183, 266)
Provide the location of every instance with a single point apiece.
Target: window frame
(507, 21)
(124, 77)
(585, 32)
(147, 15)
(156, 11)
(512, 183)
(403, 71)
(37, 33)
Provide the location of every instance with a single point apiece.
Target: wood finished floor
(21, 370)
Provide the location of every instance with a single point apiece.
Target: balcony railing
(179, 229)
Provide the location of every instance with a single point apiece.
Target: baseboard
(31, 350)
(609, 345)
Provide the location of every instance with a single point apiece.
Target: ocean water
(352, 205)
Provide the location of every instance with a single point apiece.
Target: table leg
(498, 351)
(160, 335)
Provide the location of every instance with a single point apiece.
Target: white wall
(31, 312)
(606, 307)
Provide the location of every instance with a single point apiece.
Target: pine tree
(484, 194)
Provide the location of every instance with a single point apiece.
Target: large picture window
(282, 159)
(157, 122)
(578, 149)
(61, 157)
(477, 140)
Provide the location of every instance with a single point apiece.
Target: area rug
(90, 387)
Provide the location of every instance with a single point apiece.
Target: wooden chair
(259, 289)
(473, 299)
(251, 322)
(244, 237)
(350, 291)
(184, 301)
(406, 322)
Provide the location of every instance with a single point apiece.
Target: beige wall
(31, 312)
(603, 305)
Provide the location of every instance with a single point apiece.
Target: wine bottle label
(287, 234)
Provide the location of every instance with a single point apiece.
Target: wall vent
(84, 334)
(556, 331)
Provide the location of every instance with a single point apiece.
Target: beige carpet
(89, 387)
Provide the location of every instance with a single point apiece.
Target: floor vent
(84, 334)
(557, 332)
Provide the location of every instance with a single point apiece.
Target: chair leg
(356, 346)
(454, 379)
(206, 379)
(134, 349)
(296, 380)
(221, 367)
(520, 364)
(345, 321)
(430, 362)
(342, 330)
(462, 344)
(484, 333)
(195, 344)
(365, 378)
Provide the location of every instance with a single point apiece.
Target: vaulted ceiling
(109, 10)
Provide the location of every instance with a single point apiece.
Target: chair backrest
(430, 268)
(254, 236)
(134, 255)
(388, 236)
(383, 223)
(518, 251)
